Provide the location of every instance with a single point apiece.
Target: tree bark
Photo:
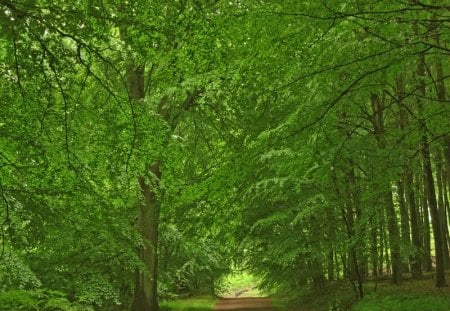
(146, 283)
(441, 207)
(374, 250)
(405, 232)
(416, 258)
(443, 166)
(426, 231)
(447, 159)
(441, 93)
(146, 291)
(330, 265)
(446, 190)
(383, 255)
(386, 192)
(429, 180)
(350, 261)
(435, 218)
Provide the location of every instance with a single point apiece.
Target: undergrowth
(382, 296)
(37, 300)
(404, 302)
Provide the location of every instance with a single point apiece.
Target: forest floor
(380, 295)
(410, 295)
(244, 304)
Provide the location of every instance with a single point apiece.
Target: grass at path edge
(189, 304)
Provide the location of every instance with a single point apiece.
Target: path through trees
(241, 304)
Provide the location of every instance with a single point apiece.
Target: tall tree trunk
(145, 292)
(385, 255)
(428, 179)
(441, 207)
(337, 266)
(426, 231)
(330, 265)
(408, 182)
(446, 191)
(444, 166)
(447, 159)
(416, 258)
(351, 214)
(405, 232)
(435, 217)
(374, 249)
(330, 239)
(381, 258)
(386, 192)
(441, 92)
(350, 261)
(355, 201)
(394, 239)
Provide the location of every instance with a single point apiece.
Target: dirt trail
(245, 304)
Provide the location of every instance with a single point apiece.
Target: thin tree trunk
(444, 165)
(394, 239)
(408, 182)
(374, 250)
(446, 201)
(392, 222)
(386, 255)
(330, 239)
(429, 181)
(441, 208)
(355, 201)
(416, 258)
(447, 159)
(330, 265)
(337, 265)
(383, 248)
(349, 220)
(404, 220)
(350, 261)
(435, 218)
(426, 232)
(441, 92)
(446, 207)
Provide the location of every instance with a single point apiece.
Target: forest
(149, 149)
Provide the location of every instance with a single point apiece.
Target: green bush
(97, 291)
(16, 274)
(18, 300)
(37, 300)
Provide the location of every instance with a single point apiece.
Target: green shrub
(16, 274)
(97, 291)
(18, 300)
(37, 300)
(58, 304)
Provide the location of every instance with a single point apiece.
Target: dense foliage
(146, 147)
